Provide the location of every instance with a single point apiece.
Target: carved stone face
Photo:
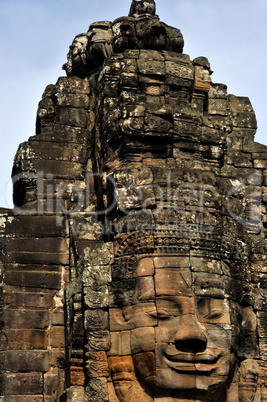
(181, 337)
(124, 32)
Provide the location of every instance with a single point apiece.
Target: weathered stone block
(151, 67)
(249, 319)
(72, 85)
(46, 245)
(174, 56)
(219, 107)
(99, 340)
(62, 134)
(245, 119)
(26, 319)
(145, 267)
(57, 337)
(144, 289)
(96, 298)
(97, 364)
(150, 55)
(58, 318)
(24, 361)
(22, 383)
(169, 281)
(218, 91)
(202, 79)
(95, 255)
(33, 298)
(143, 340)
(157, 124)
(97, 390)
(135, 197)
(260, 164)
(59, 169)
(171, 262)
(211, 285)
(240, 103)
(72, 100)
(121, 367)
(19, 339)
(139, 176)
(75, 393)
(72, 116)
(144, 364)
(58, 358)
(186, 129)
(37, 226)
(49, 280)
(52, 151)
(177, 72)
(129, 79)
(38, 258)
(248, 345)
(24, 398)
(120, 343)
(199, 264)
(96, 320)
(54, 384)
(77, 376)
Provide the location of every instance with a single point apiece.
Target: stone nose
(190, 336)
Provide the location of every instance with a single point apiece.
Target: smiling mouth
(192, 363)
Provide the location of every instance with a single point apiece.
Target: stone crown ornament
(142, 7)
(142, 29)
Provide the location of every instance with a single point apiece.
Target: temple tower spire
(142, 7)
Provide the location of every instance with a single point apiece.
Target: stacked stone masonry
(133, 266)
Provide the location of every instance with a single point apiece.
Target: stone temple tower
(133, 265)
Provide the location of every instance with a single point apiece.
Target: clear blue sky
(35, 36)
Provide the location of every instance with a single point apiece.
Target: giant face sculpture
(182, 326)
(168, 317)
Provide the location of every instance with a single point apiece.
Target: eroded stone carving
(140, 30)
(182, 318)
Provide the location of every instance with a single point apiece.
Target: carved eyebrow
(212, 310)
(160, 313)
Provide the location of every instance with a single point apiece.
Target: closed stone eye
(213, 315)
(153, 313)
(161, 314)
